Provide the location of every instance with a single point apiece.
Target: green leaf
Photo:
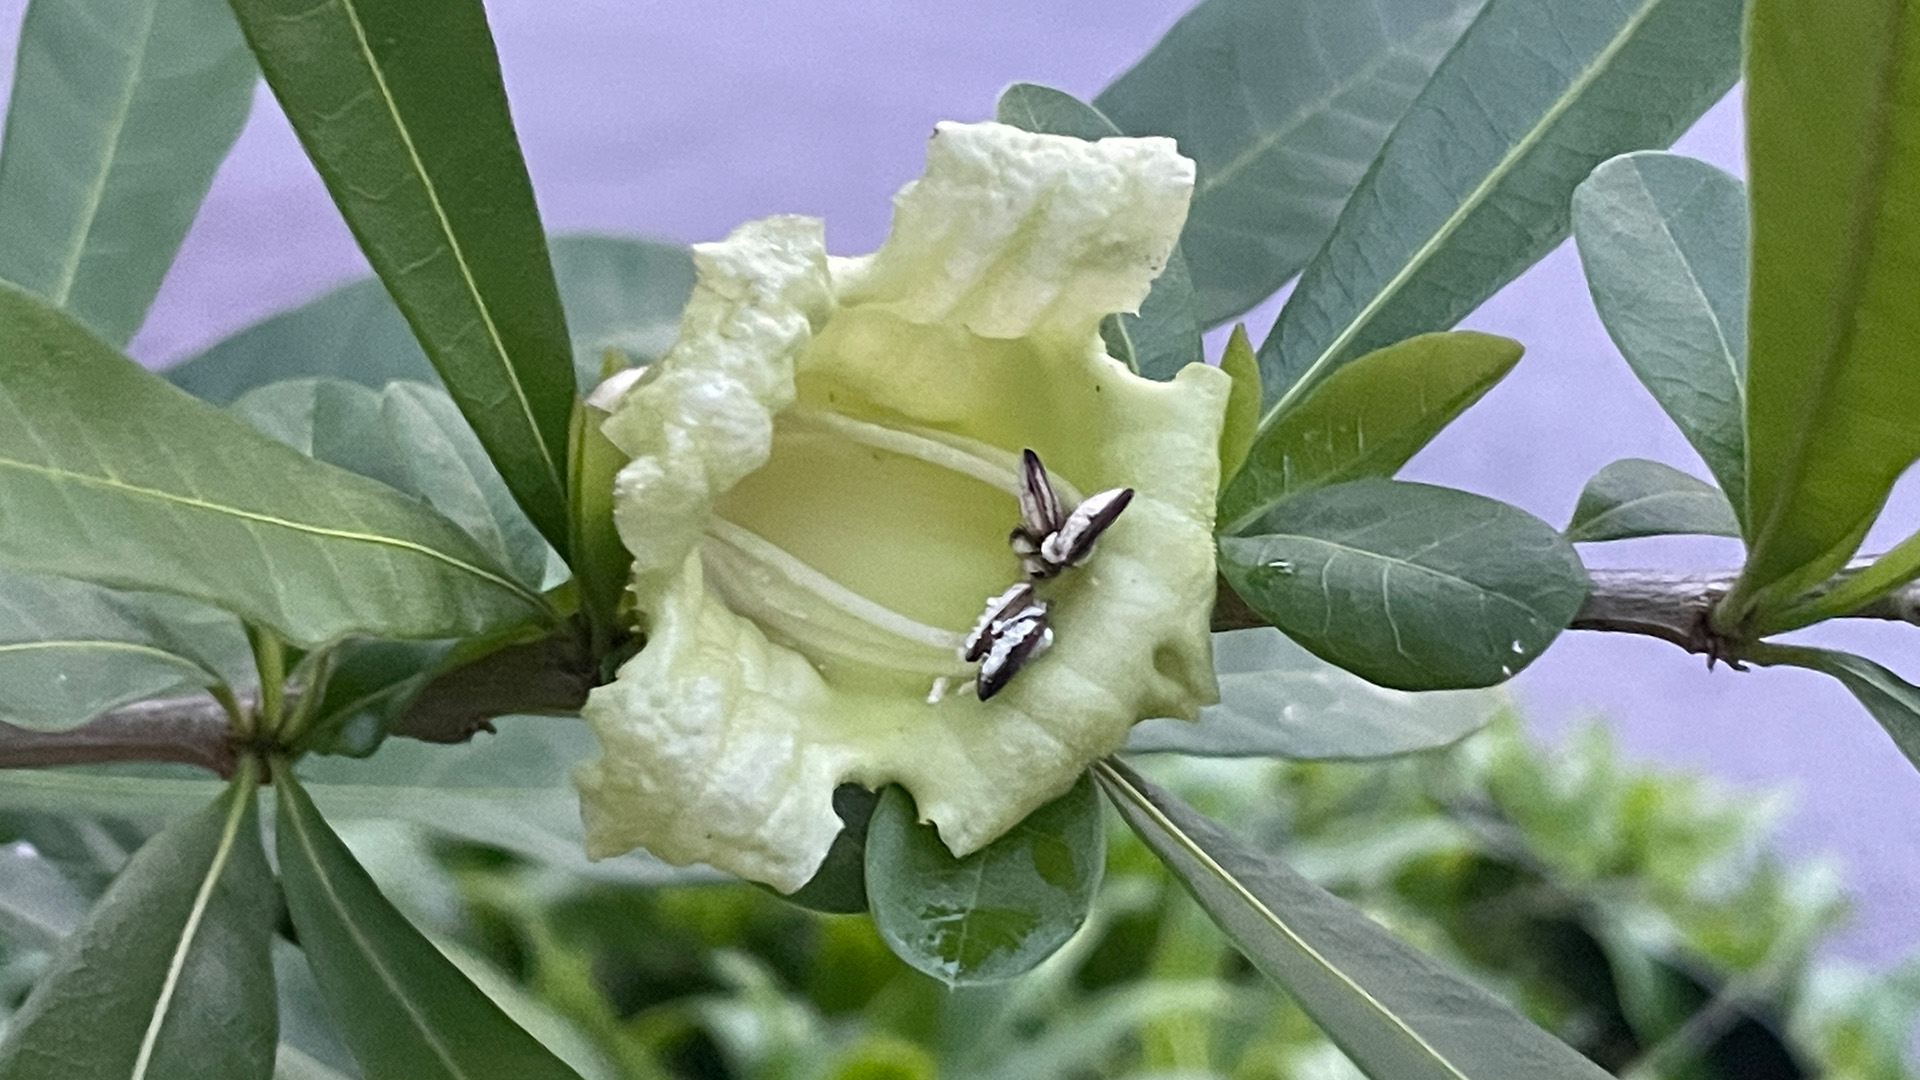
(839, 887)
(1163, 337)
(1474, 184)
(171, 977)
(995, 913)
(305, 1027)
(1366, 419)
(1282, 104)
(1279, 700)
(403, 1008)
(401, 109)
(1243, 402)
(107, 474)
(1663, 239)
(619, 292)
(511, 789)
(1888, 698)
(369, 687)
(1410, 586)
(39, 906)
(120, 112)
(1397, 1013)
(70, 651)
(1833, 145)
(408, 436)
(1636, 497)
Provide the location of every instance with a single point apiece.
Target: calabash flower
(823, 479)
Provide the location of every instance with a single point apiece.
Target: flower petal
(975, 326)
(1009, 231)
(702, 416)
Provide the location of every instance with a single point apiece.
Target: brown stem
(192, 731)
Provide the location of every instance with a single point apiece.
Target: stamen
(767, 584)
(969, 457)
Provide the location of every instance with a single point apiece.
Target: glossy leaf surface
(403, 1008)
(620, 292)
(1833, 145)
(70, 651)
(1636, 497)
(1282, 104)
(995, 913)
(120, 112)
(1396, 1012)
(170, 978)
(1663, 239)
(1407, 585)
(401, 109)
(1367, 419)
(108, 474)
(1163, 337)
(1279, 700)
(1474, 184)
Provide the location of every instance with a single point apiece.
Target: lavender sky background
(680, 120)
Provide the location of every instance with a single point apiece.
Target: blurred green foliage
(1637, 913)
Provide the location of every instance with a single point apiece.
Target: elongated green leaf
(1279, 700)
(1888, 698)
(1833, 143)
(70, 651)
(1163, 337)
(121, 110)
(1636, 497)
(1410, 586)
(403, 1008)
(171, 977)
(400, 107)
(108, 474)
(1474, 184)
(1367, 419)
(1282, 104)
(408, 436)
(1663, 239)
(1394, 1010)
(995, 913)
(619, 292)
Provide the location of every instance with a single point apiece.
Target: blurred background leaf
(120, 112)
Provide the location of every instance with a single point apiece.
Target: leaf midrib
(97, 189)
(499, 347)
(229, 831)
(1114, 780)
(1268, 139)
(343, 913)
(1399, 561)
(1481, 192)
(57, 474)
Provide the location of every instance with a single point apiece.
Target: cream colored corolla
(824, 474)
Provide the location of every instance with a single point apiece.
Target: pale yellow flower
(820, 494)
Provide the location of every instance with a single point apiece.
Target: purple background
(682, 120)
